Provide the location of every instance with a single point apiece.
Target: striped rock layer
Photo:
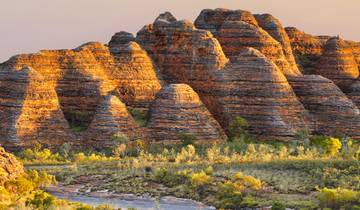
(338, 63)
(111, 122)
(178, 110)
(233, 63)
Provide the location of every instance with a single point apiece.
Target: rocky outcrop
(30, 110)
(83, 75)
(178, 110)
(182, 52)
(338, 63)
(136, 78)
(235, 34)
(307, 48)
(332, 112)
(303, 43)
(10, 168)
(111, 121)
(253, 87)
(213, 19)
(355, 46)
(273, 26)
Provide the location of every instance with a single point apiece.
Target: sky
(27, 26)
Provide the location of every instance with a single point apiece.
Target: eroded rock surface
(332, 112)
(338, 63)
(178, 110)
(111, 122)
(255, 88)
(237, 33)
(30, 110)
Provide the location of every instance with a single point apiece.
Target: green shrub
(169, 178)
(277, 206)
(187, 139)
(139, 115)
(237, 128)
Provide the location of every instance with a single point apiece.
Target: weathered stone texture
(303, 43)
(338, 63)
(273, 26)
(235, 34)
(112, 120)
(30, 110)
(332, 112)
(253, 87)
(178, 110)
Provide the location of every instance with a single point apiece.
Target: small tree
(238, 128)
(187, 139)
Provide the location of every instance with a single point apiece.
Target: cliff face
(338, 63)
(83, 75)
(332, 112)
(244, 31)
(255, 88)
(178, 110)
(229, 63)
(30, 110)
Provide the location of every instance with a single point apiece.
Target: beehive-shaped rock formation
(253, 87)
(30, 110)
(303, 43)
(213, 19)
(10, 168)
(111, 121)
(338, 63)
(182, 53)
(83, 75)
(178, 110)
(273, 26)
(235, 34)
(332, 112)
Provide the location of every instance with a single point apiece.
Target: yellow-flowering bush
(200, 179)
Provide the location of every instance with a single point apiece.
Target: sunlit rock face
(213, 19)
(111, 122)
(83, 75)
(303, 43)
(255, 88)
(178, 110)
(338, 63)
(332, 112)
(182, 52)
(137, 79)
(355, 46)
(237, 33)
(273, 26)
(307, 48)
(30, 110)
(10, 168)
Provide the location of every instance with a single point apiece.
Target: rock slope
(111, 121)
(338, 63)
(178, 110)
